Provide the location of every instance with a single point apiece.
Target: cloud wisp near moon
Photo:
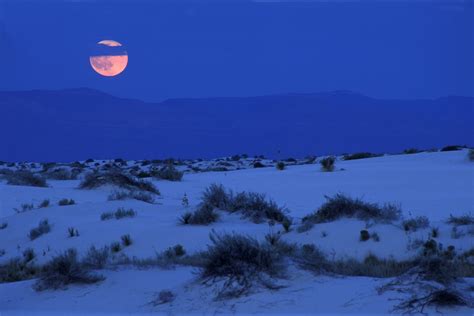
(110, 59)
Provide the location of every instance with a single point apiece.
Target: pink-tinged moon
(112, 64)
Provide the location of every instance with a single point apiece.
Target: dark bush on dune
(116, 178)
(452, 148)
(168, 172)
(362, 155)
(413, 224)
(17, 269)
(340, 206)
(203, 215)
(241, 262)
(60, 174)
(43, 228)
(63, 270)
(327, 164)
(25, 177)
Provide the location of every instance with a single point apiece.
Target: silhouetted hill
(82, 123)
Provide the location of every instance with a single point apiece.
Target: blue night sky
(384, 49)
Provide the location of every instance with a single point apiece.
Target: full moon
(109, 58)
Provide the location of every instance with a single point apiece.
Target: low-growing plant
(452, 148)
(168, 172)
(43, 228)
(280, 165)
(286, 223)
(96, 258)
(24, 208)
(16, 269)
(414, 224)
(340, 206)
(164, 297)
(258, 164)
(375, 236)
(434, 232)
(240, 261)
(115, 247)
(26, 178)
(327, 164)
(126, 240)
(63, 270)
(28, 255)
(364, 235)
(132, 194)
(412, 151)
(60, 174)
(203, 215)
(466, 219)
(361, 155)
(175, 251)
(106, 216)
(44, 203)
(3, 225)
(73, 232)
(114, 177)
(470, 155)
(65, 202)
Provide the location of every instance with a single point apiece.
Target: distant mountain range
(77, 124)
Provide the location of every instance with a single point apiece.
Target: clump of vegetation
(43, 228)
(280, 165)
(175, 251)
(258, 164)
(240, 261)
(60, 174)
(96, 258)
(470, 155)
(3, 225)
(414, 224)
(364, 235)
(203, 215)
(44, 203)
(24, 208)
(66, 202)
(452, 148)
(164, 297)
(28, 255)
(118, 214)
(375, 236)
(17, 269)
(116, 178)
(115, 247)
(466, 219)
(63, 270)
(168, 172)
(132, 194)
(361, 155)
(340, 206)
(126, 240)
(287, 225)
(73, 232)
(327, 164)
(412, 151)
(434, 232)
(26, 178)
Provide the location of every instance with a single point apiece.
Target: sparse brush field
(338, 235)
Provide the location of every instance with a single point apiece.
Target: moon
(109, 58)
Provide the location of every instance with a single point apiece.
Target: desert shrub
(286, 223)
(341, 205)
(126, 240)
(60, 174)
(361, 155)
(240, 261)
(106, 216)
(371, 266)
(168, 172)
(175, 251)
(3, 225)
(65, 202)
(164, 297)
(327, 164)
(470, 155)
(312, 258)
(26, 178)
(375, 237)
(434, 232)
(255, 207)
(280, 165)
(44, 203)
(452, 148)
(466, 219)
(413, 224)
(24, 208)
(216, 196)
(258, 164)
(63, 270)
(17, 269)
(143, 174)
(203, 215)
(73, 232)
(96, 258)
(364, 235)
(115, 247)
(98, 179)
(28, 255)
(43, 228)
(136, 195)
(412, 151)
(2, 252)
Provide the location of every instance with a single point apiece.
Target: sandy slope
(431, 184)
